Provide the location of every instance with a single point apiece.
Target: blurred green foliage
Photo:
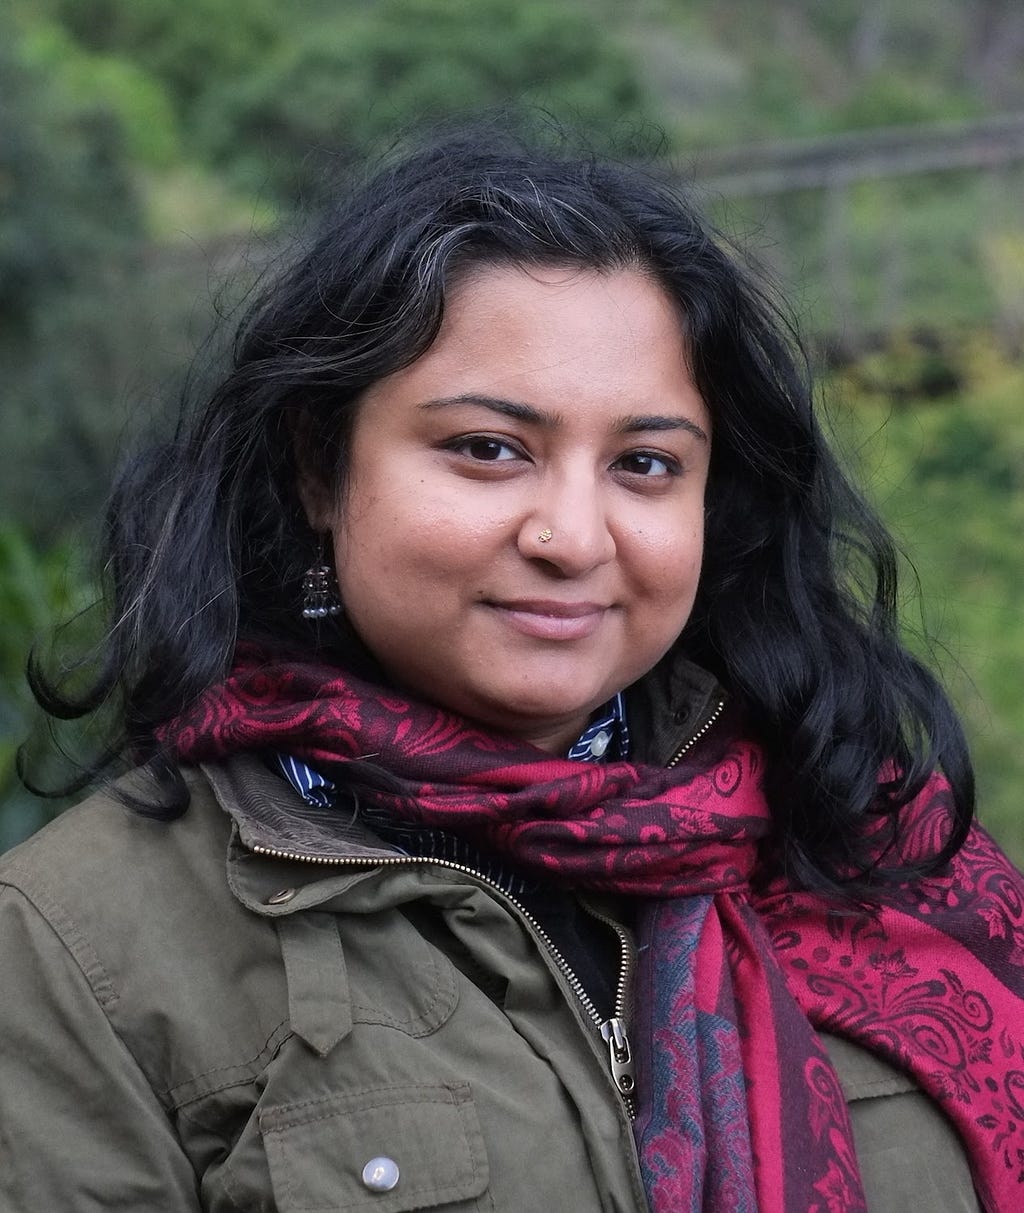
(39, 591)
(149, 149)
(344, 85)
(948, 476)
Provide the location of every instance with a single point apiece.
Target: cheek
(669, 602)
(388, 562)
(670, 562)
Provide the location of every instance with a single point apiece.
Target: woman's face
(554, 402)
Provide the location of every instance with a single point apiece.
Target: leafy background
(152, 151)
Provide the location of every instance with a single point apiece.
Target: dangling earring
(320, 588)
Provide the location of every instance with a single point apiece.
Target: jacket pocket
(388, 1149)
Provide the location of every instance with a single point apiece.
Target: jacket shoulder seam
(53, 913)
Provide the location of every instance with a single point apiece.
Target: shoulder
(139, 914)
(99, 917)
(103, 862)
(105, 838)
(910, 1157)
(109, 882)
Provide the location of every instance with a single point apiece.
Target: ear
(317, 498)
(318, 501)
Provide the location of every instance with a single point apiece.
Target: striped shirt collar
(606, 737)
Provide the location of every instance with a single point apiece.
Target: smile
(546, 620)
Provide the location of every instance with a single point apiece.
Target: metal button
(380, 1174)
(599, 744)
(280, 897)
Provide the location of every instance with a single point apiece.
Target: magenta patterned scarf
(740, 1110)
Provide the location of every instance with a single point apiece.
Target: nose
(568, 527)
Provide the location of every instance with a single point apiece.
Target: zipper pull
(613, 1032)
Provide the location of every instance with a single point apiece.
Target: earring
(320, 588)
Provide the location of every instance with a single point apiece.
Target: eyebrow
(635, 423)
(647, 422)
(507, 408)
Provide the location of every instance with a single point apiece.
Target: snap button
(380, 1174)
(280, 897)
(599, 744)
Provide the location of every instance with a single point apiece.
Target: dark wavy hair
(206, 540)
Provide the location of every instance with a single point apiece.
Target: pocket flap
(318, 1148)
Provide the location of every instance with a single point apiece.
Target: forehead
(553, 334)
(583, 302)
(551, 317)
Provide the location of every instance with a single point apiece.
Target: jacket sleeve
(80, 1126)
(910, 1158)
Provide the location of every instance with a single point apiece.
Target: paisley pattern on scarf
(739, 1106)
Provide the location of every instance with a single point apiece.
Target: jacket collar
(668, 707)
(273, 820)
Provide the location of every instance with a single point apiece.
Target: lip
(547, 619)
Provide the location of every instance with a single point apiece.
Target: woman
(535, 805)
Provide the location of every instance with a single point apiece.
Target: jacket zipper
(704, 729)
(612, 1030)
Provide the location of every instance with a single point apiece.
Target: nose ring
(545, 535)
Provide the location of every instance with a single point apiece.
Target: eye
(484, 449)
(645, 463)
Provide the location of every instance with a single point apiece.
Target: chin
(525, 716)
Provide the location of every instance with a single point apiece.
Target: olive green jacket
(190, 1020)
